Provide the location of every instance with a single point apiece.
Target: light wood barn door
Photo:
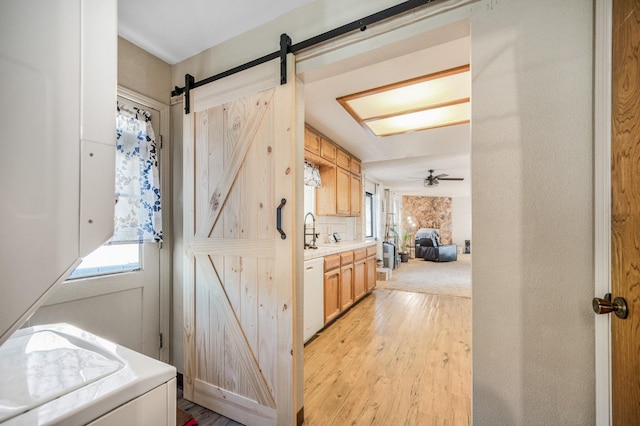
(239, 339)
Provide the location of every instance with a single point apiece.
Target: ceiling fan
(432, 180)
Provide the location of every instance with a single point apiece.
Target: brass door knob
(605, 306)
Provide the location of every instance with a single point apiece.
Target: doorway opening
(391, 163)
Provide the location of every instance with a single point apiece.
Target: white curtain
(138, 208)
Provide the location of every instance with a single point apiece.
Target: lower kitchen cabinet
(348, 276)
(370, 266)
(331, 295)
(371, 276)
(359, 273)
(359, 283)
(331, 287)
(346, 286)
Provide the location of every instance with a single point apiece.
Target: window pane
(109, 259)
(368, 214)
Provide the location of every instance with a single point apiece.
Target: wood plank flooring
(396, 358)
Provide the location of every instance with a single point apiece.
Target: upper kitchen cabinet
(355, 166)
(327, 150)
(343, 159)
(340, 172)
(311, 141)
(343, 192)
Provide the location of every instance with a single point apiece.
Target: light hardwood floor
(396, 358)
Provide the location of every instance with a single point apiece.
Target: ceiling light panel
(435, 100)
(422, 120)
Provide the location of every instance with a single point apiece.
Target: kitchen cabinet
(346, 280)
(359, 273)
(341, 175)
(347, 277)
(326, 195)
(343, 191)
(311, 141)
(370, 280)
(327, 150)
(343, 159)
(331, 287)
(370, 267)
(355, 195)
(355, 166)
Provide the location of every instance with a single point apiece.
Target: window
(368, 214)
(109, 259)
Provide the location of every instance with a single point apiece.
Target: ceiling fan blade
(441, 176)
(451, 178)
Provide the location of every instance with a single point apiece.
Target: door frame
(602, 204)
(309, 65)
(167, 208)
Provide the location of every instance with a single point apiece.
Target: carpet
(441, 278)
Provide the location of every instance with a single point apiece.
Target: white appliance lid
(38, 367)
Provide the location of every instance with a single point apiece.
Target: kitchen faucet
(313, 234)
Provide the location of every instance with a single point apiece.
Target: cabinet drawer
(359, 254)
(331, 262)
(346, 257)
(372, 251)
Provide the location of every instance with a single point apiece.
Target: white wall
(532, 143)
(461, 220)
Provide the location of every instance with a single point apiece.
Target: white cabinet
(313, 297)
(155, 408)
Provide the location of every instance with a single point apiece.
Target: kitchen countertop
(333, 248)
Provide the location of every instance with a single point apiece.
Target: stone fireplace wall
(430, 212)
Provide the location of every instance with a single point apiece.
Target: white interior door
(121, 306)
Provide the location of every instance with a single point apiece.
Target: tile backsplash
(347, 227)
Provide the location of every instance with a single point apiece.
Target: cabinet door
(327, 150)
(371, 273)
(356, 166)
(331, 294)
(359, 279)
(343, 159)
(343, 191)
(326, 194)
(356, 195)
(311, 141)
(346, 286)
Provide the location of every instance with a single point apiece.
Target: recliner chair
(428, 247)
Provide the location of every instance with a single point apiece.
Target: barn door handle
(279, 218)
(605, 306)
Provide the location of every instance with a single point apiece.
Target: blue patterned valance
(312, 175)
(137, 211)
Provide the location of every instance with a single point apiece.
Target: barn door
(240, 334)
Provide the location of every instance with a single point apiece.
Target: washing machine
(57, 179)
(58, 374)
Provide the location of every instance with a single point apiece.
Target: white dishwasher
(313, 297)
